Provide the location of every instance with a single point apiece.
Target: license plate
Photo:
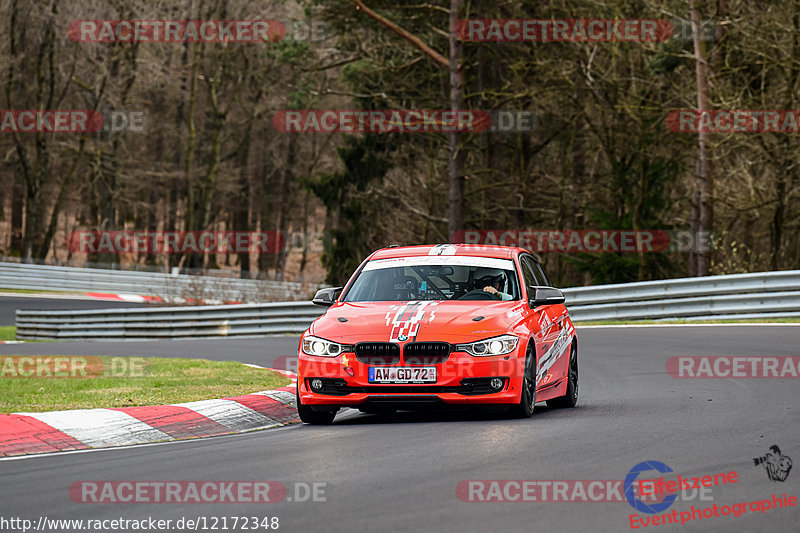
(400, 374)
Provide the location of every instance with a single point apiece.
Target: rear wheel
(524, 409)
(570, 399)
(309, 416)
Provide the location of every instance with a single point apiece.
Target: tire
(309, 416)
(570, 399)
(527, 400)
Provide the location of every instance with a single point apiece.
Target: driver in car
(493, 287)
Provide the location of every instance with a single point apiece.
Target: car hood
(430, 320)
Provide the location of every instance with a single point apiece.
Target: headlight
(495, 346)
(322, 348)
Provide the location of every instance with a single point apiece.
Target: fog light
(496, 383)
(316, 384)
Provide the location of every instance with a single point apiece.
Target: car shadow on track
(449, 414)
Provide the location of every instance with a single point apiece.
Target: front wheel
(524, 409)
(309, 416)
(571, 397)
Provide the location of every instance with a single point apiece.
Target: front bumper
(461, 379)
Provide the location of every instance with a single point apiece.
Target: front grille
(378, 353)
(468, 387)
(426, 353)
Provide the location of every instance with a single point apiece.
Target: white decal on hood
(407, 318)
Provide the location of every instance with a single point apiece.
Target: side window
(529, 272)
(543, 275)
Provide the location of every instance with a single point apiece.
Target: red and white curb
(137, 298)
(123, 297)
(118, 297)
(31, 433)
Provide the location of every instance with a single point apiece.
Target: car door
(549, 328)
(560, 316)
(539, 324)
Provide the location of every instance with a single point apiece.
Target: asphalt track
(9, 305)
(401, 473)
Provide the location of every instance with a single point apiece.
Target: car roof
(501, 252)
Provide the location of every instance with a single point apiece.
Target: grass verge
(127, 382)
(29, 291)
(8, 333)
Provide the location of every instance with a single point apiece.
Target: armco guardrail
(767, 294)
(170, 288)
(685, 287)
(197, 322)
(761, 294)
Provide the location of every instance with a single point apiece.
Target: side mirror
(326, 297)
(544, 296)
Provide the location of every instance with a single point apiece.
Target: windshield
(435, 278)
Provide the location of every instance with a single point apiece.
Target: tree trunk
(265, 186)
(787, 171)
(704, 185)
(455, 161)
(17, 203)
(286, 189)
(241, 217)
(188, 156)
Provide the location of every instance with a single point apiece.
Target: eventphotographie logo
(775, 464)
(631, 481)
